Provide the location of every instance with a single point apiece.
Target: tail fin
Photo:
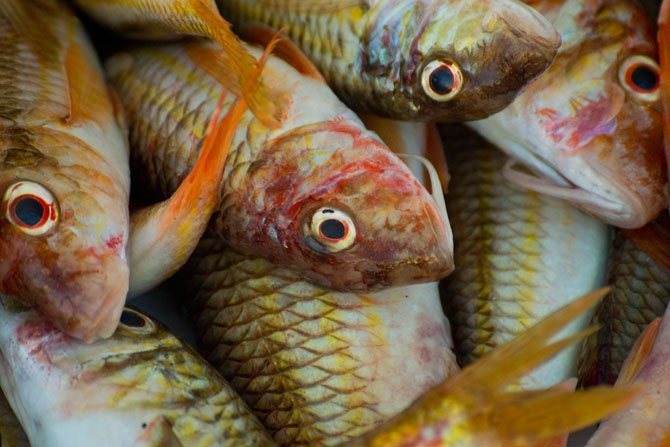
(474, 407)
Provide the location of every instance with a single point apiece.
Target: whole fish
(320, 195)
(646, 421)
(140, 387)
(318, 367)
(11, 432)
(591, 126)
(640, 293)
(428, 60)
(520, 255)
(63, 172)
(148, 19)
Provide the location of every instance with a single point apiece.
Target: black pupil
(29, 211)
(644, 78)
(132, 319)
(332, 229)
(442, 81)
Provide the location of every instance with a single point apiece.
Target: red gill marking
(36, 335)
(115, 243)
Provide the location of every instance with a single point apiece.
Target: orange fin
(639, 353)
(89, 99)
(261, 34)
(312, 6)
(654, 239)
(163, 236)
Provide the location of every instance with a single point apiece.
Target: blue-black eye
(29, 210)
(640, 76)
(441, 80)
(31, 207)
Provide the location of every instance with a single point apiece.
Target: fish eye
(332, 228)
(641, 76)
(441, 80)
(135, 321)
(31, 207)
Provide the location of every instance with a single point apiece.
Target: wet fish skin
(640, 293)
(117, 390)
(373, 54)
(276, 179)
(581, 127)
(318, 367)
(59, 135)
(514, 250)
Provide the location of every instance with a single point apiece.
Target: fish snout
(526, 22)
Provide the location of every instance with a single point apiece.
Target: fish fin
(163, 236)
(246, 80)
(546, 415)
(530, 349)
(639, 353)
(543, 186)
(89, 99)
(654, 240)
(159, 433)
(313, 6)
(262, 34)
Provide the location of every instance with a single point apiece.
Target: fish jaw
(401, 236)
(519, 43)
(76, 272)
(583, 125)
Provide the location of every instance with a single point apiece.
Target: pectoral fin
(163, 236)
(639, 353)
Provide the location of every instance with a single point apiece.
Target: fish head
(593, 122)
(63, 232)
(330, 200)
(460, 59)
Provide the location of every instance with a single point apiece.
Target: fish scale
(513, 249)
(313, 364)
(640, 293)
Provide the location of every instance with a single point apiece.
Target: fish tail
(247, 81)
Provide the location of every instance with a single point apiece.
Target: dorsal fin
(88, 93)
(261, 34)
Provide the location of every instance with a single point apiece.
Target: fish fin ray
(164, 235)
(654, 240)
(285, 49)
(639, 353)
(89, 99)
(313, 6)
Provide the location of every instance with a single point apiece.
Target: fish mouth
(626, 212)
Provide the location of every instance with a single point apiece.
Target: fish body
(318, 367)
(514, 250)
(141, 387)
(428, 60)
(591, 125)
(64, 172)
(640, 293)
(283, 187)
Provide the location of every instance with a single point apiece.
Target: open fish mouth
(628, 212)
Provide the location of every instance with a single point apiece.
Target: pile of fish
(389, 222)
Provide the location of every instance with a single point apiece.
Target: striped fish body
(519, 256)
(318, 367)
(142, 387)
(278, 182)
(64, 174)
(374, 54)
(640, 293)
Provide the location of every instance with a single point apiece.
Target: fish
(64, 175)
(161, 19)
(427, 60)
(514, 250)
(140, 387)
(11, 432)
(640, 293)
(476, 408)
(663, 36)
(645, 421)
(590, 128)
(321, 195)
(318, 367)
(68, 240)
